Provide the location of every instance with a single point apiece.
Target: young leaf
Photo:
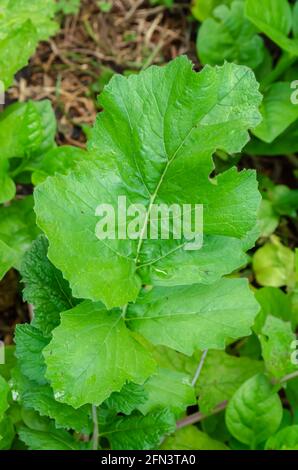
(285, 439)
(45, 287)
(168, 389)
(17, 231)
(30, 343)
(202, 9)
(191, 438)
(273, 264)
(139, 432)
(276, 340)
(88, 371)
(228, 35)
(278, 112)
(194, 317)
(254, 412)
(172, 122)
(221, 376)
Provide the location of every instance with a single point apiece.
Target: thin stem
(198, 371)
(288, 377)
(95, 436)
(199, 416)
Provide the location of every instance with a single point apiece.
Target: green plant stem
(199, 416)
(199, 369)
(95, 435)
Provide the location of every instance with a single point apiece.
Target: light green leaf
(228, 35)
(202, 9)
(168, 126)
(254, 412)
(45, 287)
(29, 345)
(195, 317)
(278, 112)
(168, 389)
(12, 56)
(191, 438)
(89, 371)
(53, 439)
(17, 231)
(22, 25)
(4, 390)
(276, 341)
(285, 439)
(221, 376)
(273, 264)
(137, 432)
(128, 399)
(273, 18)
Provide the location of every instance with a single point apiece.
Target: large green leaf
(17, 231)
(45, 287)
(137, 432)
(195, 317)
(228, 35)
(191, 438)
(89, 371)
(278, 112)
(273, 18)
(170, 120)
(221, 376)
(254, 412)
